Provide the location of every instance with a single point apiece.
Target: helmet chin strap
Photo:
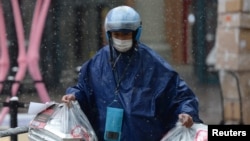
(138, 34)
(110, 48)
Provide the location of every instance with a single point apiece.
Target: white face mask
(122, 45)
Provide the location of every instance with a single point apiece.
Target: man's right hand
(68, 98)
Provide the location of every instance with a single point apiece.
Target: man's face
(122, 41)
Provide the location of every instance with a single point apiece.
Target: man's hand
(186, 120)
(68, 98)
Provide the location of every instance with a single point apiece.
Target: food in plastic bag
(60, 122)
(198, 132)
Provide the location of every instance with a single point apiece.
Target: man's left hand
(186, 120)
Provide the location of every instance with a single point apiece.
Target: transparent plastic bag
(198, 132)
(60, 123)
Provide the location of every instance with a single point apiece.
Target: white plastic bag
(198, 132)
(60, 123)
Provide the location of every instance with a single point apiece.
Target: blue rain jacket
(151, 93)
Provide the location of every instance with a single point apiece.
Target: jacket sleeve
(186, 100)
(80, 89)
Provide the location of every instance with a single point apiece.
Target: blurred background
(181, 31)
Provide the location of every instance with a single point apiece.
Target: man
(129, 92)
